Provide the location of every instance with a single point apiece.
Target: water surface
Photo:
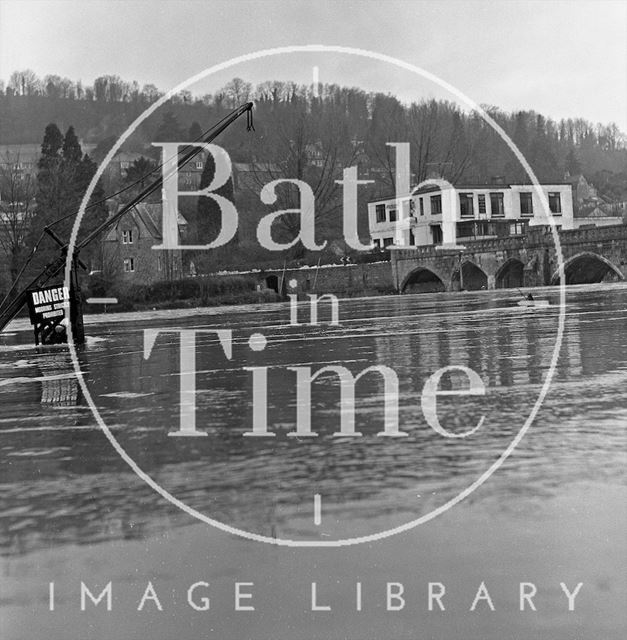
(64, 485)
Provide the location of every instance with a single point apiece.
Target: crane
(13, 306)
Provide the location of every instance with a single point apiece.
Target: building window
(465, 229)
(526, 204)
(436, 205)
(388, 241)
(517, 229)
(481, 199)
(380, 212)
(127, 237)
(436, 234)
(129, 265)
(422, 207)
(483, 229)
(199, 164)
(555, 203)
(497, 210)
(466, 205)
(159, 263)
(377, 243)
(392, 215)
(412, 207)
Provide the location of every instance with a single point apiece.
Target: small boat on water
(533, 303)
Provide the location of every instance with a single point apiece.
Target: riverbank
(191, 308)
(73, 512)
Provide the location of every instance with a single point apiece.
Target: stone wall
(342, 280)
(589, 255)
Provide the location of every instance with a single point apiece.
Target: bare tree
(237, 91)
(307, 143)
(388, 123)
(25, 83)
(150, 93)
(17, 193)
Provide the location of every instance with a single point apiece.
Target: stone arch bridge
(590, 255)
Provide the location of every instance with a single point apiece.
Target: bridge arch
(510, 275)
(272, 282)
(587, 268)
(474, 277)
(423, 280)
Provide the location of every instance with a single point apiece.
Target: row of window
(464, 230)
(467, 206)
(483, 228)
(18, 166)
(126, 164)
(384, 242)
(384, 215)
(129, 265)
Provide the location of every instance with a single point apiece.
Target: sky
(562, 59)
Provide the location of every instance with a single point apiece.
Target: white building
(439, 213)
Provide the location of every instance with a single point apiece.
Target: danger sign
(48, 304)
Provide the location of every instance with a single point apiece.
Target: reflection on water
(63, 482)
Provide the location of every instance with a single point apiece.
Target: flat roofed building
(444, 213)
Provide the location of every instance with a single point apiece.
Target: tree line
(112, 90)
(298, 135)
(50, 198)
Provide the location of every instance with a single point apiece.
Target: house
(25, 157)
(21, 158)
(122, 161)
(602, 215)
(191, 172)
(441, 213)
(592, 209)
(584, 193)
(128, 252)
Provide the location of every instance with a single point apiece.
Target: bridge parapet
(527, 260)
(595, 234)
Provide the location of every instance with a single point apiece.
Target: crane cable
(200, 138)
(21, 272)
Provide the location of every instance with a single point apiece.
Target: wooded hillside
(342, 126)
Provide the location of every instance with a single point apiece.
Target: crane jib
(11, 307)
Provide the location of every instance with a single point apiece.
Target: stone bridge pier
(589, 255)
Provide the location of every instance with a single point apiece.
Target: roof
(267, 167)
(31, 152)
(149, 215)
(485, 186)
(128, 156)
(25, 152)
(575, 178)
(598, 212)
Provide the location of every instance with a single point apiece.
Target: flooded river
(72, 510)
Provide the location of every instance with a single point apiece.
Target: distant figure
(529, 297)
